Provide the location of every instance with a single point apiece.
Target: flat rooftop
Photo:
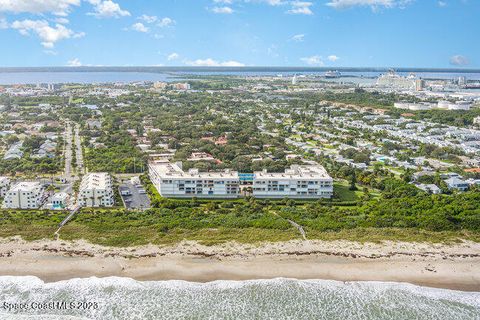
(167, 170)
(96, 180)
(296, 172)
(26, 186)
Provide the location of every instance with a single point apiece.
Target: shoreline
(449, 266)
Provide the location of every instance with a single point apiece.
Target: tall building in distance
(160, 85)
(300, 181)
(24, 195)
(462, 81)
(181, 86)
(419, 85)
(96, 190)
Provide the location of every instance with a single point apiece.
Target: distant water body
(124, 298)
(10, 76)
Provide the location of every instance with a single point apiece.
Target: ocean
(125, 298)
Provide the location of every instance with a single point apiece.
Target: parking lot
(134, 196)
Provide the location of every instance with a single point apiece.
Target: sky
(326, 33)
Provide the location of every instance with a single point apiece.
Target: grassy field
(341, 188)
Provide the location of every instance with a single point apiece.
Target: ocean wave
(281, 298)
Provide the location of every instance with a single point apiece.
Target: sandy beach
(437, 265)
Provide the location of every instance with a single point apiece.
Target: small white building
(59, 201)
(96, 190)
(171, 181)
(300, 181)
(24, 195)
(4, 185)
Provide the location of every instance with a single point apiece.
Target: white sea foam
(124, 298)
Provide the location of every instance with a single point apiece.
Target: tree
(353, 182)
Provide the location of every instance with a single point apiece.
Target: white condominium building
(24, 195)
(96, 190)
(171, 181)
(4, 185)
(300, 181)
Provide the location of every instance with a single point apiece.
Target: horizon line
(233, 68)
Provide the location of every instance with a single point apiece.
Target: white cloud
(148, 19)
(270, 2)
(107, 9)
(313, 60)
(298, 37)
(49, 35)
(333, 58)
(223, 1)
(459, 60)
(56, 7)
(50, 52)
(222, 10)
(274, 2)
(74, 63)
(374, 4)
(166, 22)
(301, 7)
(140, 27)
(214, 63)
(62, 20)
(3, 23)
(442, 4)
(173, 56)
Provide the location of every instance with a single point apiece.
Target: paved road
(78, 151)
(136, 200)
(68, 151)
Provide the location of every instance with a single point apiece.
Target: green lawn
(341, 188)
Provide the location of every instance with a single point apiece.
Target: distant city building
(419, 85)
(96, 190)
(300, 181)
(459, 105)
(412, 106)
(24, 195)
(181, 86)
(462, 80)
(171, 181)
(160, 85)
